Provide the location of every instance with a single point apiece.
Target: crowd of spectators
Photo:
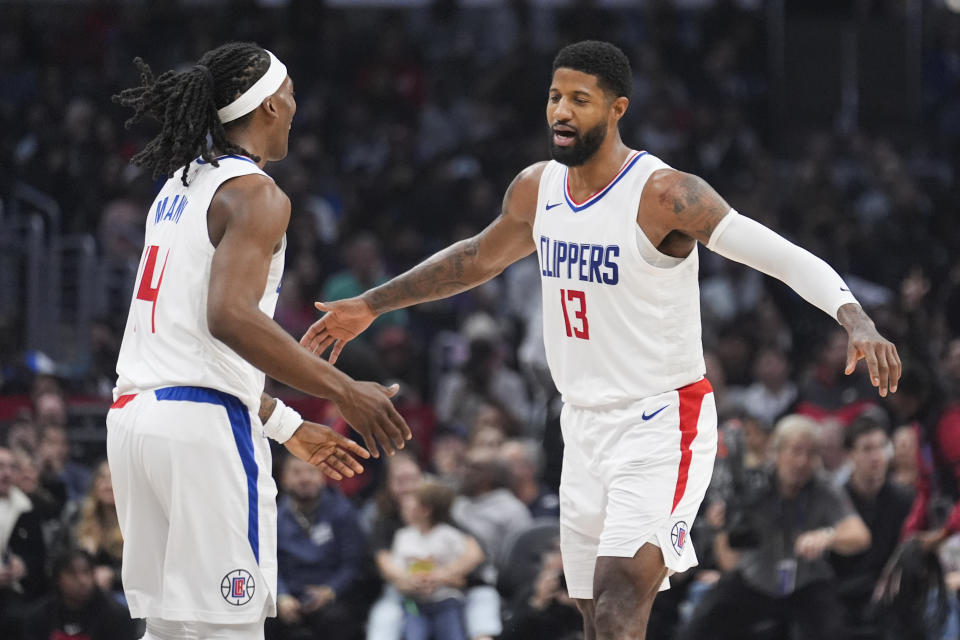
(410, 124)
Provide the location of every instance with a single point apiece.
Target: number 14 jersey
(616, 328)
(167, 341)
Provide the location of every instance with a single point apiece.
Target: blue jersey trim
(596, 198)
(242, 436)
(244, 158)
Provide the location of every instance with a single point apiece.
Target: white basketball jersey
(615, 327)
(167, 341)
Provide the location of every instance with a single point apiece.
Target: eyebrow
(582, 92)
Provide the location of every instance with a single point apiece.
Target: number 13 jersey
(616, 328)
(167, 341)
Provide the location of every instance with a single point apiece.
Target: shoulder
(525, 187)
(671, 188)
(899, 495)
(252, 191)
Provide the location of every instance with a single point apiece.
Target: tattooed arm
(459, 267)
(678, 209)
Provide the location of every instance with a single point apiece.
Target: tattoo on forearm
(267, 405)
(697, 204)
(443, 275)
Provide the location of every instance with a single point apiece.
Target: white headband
(253, 97)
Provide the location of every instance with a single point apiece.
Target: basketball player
(616, 232)
(187, 431)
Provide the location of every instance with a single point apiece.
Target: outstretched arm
(680, 202)
(459, 267)
(247, 219)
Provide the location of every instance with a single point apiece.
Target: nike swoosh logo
(551, 206)
(647, 416)
(844, 289)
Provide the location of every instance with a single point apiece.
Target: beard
(581, 150)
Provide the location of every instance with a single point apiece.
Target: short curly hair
(601, 59)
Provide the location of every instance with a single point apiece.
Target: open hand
(883, 361)
(327, 450)
(343, 321)
(368, 409)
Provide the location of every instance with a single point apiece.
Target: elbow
(223, 321)
(864, 540)
(856, 540)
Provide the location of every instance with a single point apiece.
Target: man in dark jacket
(320, 555)
(77, 610)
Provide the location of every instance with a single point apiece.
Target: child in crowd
(429, 563)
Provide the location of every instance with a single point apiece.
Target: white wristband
(282, 423)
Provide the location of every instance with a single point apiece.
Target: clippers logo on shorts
(678, 536)
(238, 587)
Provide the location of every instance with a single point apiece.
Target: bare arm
(256, 213)
(470, 262)
(457, 268)
(847, 537)
(248, 217)
(455, 573)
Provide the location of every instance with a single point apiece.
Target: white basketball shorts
(196, 500)
(632, 474)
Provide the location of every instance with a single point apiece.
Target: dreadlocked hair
(186, 102)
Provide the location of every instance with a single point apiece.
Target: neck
(866, 486)
(599, 170)
(791, 489)
(423, 527)
(305, 505)
(527, 491)
(252, 142)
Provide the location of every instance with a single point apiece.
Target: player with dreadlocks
(616, 231)
(189, 461)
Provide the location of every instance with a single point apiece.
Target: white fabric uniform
(190, 464)
(623, 341)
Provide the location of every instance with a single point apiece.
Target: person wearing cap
(191, 466)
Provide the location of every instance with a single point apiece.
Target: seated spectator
(365, 270)
(45, 504)
(484, 435)
(544, 609)
(523, 461)
(904, 469)
(486, 508)
(483, 380)
(883, 506)
(380, 516)
(826, 391)
(773, 392)
(447, 456)
(22, 549)
(63, 477)
(92, 525)
(429, 564)
(382, 520)
(77, 608)
(835, 464)
(320, 554)
(23, 433)
(779, 573)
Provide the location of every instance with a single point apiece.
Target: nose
(562, 112)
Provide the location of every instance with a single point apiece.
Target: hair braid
(186, 102)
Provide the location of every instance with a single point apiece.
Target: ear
(270, 107)
(620, 107)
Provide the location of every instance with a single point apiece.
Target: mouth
(564, 135)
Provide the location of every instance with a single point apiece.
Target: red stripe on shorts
(691, 399)
(122, 401)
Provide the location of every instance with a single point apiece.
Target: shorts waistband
(183, 394)
(701, 387)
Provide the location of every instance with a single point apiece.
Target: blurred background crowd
(835, 122)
